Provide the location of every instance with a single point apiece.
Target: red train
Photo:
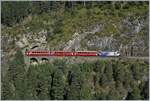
(60, 53)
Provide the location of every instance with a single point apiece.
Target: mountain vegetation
(61, 18)
(99, 80)
(68, 26)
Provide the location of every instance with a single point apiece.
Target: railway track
(135, 57)
(104, 58)
(82, 59)
(127, 58)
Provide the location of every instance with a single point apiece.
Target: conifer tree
(44, 81)
(135, 94)
(16, 72)
(32, 82)
(58, 84)
(7, 89)
(76, 82)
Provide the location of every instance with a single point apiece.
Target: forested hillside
(78, 25)
(104, 79)
(75, 26)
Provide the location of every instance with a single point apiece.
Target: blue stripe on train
(104, 54)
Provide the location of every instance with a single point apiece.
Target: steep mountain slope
(75, 26)
(86, 29)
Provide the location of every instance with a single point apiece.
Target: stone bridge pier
(35, 60)
(38, 60)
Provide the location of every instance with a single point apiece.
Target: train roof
(57, 51)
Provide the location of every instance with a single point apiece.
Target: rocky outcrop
(75, 42)
(104, 43)
(132, 39)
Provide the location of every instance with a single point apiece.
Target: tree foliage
(58, 84)
(100, 80)
(13, 12)
(61, 80)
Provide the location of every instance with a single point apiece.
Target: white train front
(109, 54)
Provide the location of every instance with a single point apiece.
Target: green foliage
(44, 81)
(136, 69)
(113, 94)
(62, 19)
(76, 82)
(135, 94)
(13, 12)
(60, 64)
(86, 91)
(145, 92)
(38, 23)
(7, 89)
(57, 91)
(59, 80)
(16, 74)
(109, 71)
(17, 69)
(118, 71)
(32, 82)
(86, 67)
(39, 79)
(99, 66)
(99, 80)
